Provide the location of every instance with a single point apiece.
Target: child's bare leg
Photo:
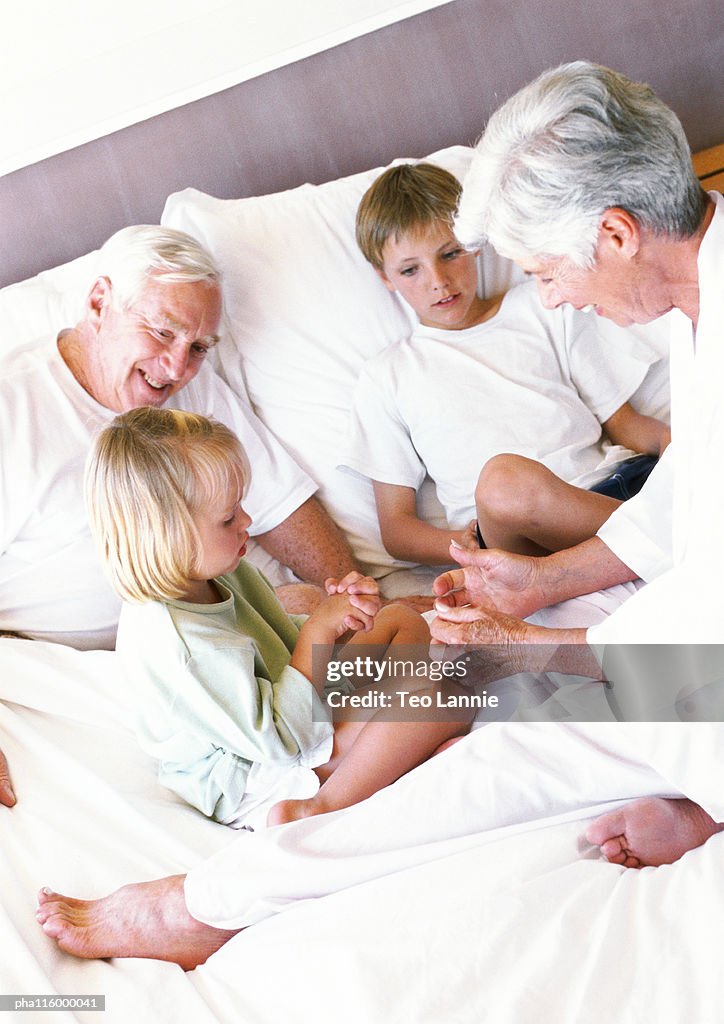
(379, 753)
(148, 919)
(651, 831)
(524, 508)
(395, 624)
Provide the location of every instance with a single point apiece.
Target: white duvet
(521, 925)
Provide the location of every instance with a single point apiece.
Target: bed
(520, 926)
(523, 926)
(497, 915)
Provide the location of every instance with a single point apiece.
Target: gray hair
(135, 253)
(575, 142)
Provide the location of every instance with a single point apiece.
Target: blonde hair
(147, 474)
(404, 199)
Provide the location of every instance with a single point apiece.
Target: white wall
(75, 70)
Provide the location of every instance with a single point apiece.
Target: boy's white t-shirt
(529, 381)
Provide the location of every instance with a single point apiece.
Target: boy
(526, 393)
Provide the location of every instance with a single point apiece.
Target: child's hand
(351, 604)
(342, 611)
(468, 538)
(358, 616)
(362, 591)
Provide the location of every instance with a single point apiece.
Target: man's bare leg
(148, 919)
(651, 831)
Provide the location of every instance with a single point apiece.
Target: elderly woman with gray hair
(584, 178)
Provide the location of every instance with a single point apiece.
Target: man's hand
(7, 794)
(493, 580)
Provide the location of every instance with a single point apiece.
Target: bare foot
(651, 831)
(148, 919)
(446, 745)
(292, 810)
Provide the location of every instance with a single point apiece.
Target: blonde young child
(228, 703)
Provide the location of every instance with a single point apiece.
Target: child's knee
(506, 487)
(405, 623)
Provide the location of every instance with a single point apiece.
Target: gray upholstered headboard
(416, 86)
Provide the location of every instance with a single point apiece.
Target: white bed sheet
(528, 925)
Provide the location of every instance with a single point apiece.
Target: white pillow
(43, 305)
(305, 310)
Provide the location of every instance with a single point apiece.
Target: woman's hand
(493, 580)
(470, 624)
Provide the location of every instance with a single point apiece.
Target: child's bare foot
(446, 745)
(651, 831)
(148, 919)
(292, 810)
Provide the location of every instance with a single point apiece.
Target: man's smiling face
(147, 352)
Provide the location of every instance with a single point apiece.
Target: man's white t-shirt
(51, 579)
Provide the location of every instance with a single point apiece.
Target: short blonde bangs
(147, 474)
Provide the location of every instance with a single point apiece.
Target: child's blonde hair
(148, 473)
(404, 199)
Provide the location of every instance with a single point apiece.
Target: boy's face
(435, 275)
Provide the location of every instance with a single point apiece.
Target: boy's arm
(639, 433)
(408, 537)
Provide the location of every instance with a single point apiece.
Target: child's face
(223, 529)
(435, 275)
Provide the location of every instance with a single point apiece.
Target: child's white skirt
(269, 782)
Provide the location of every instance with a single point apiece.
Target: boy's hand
(468, 538)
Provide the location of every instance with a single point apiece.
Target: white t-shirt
(683, 604)
(51, 580)
(529, 381)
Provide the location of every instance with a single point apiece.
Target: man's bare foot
(651, 831)
(148, 919)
